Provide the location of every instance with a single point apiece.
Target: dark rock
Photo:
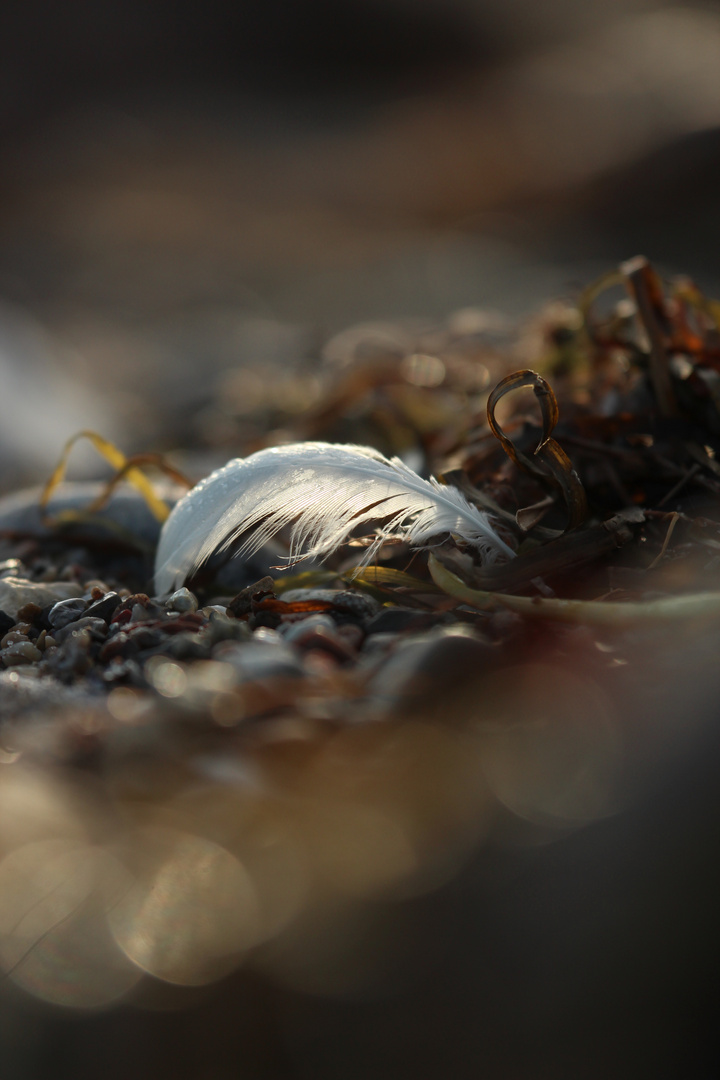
(221, 628)
(72, 657)
(187, 646)
(241, 604)
(131, 642)
(43, 620)
(29, 613)
(294, 632)
(96, 627)
(125, 611)
(321, 632)
(395, 620)
(265, 657)
(431, 674)
(268, 619)
(6, 623)
(104, 608)
(66, 611)
(124, 671)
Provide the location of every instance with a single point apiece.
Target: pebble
(242, 604)
(30, 613)
(21, 652)
(6, 622)
(124, 671)
(428, 670)
(104, 608)
(136, 608)
(321, 632)
(222, 628)
(380, 644)
(15, 593)
(182, 600)
(351, 634)
(295, 632)
(396, 620)
(133, 641)
(264, 659)
(97, 628)
(72, 657)
(187, 646)
(66, 611)
(139, 613)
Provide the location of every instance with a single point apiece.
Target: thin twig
(680, 484)
(643, 286)
(670, 529)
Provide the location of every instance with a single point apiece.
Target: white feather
(325, 492)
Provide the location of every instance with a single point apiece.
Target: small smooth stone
(380, 644)
(15, 593)
(66, 611)
(350, 635)
(320, 632)
(72, 657)
(260, 659)
(295, 632)
(427, 671)
(187, 646)
(6, 623)
(104, 608)
(394, 620)
(97, 588)
(222, 628)
(321, 640)
(23, 652)
(140, 613)
(29, 613)
(124, 671)
(98, 628)
(242, 604)
(182, 600)
(130, 642)
(12, 637)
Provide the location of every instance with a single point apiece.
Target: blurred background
(185, 190)
(188, 192)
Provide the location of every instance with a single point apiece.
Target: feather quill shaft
(324, 492)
